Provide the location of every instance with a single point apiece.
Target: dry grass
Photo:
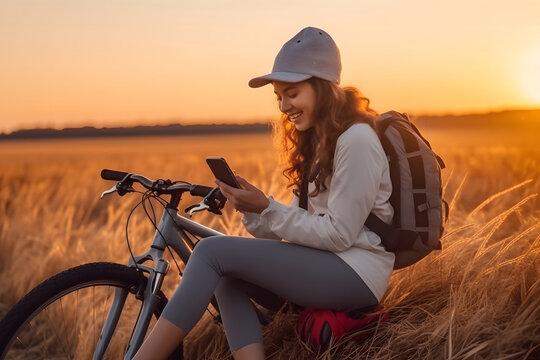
(479, 298)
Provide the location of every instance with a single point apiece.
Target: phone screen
(222, 171)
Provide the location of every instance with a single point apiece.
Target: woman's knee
(209, 244)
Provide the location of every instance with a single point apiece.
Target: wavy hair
(336, 109)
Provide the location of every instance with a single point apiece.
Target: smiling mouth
(293, 117)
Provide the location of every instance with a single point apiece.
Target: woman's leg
(163, 339)
(234, 299)
(306, 276)
(303, 275)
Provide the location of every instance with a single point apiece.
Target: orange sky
(108, 62)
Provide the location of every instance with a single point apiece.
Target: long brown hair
(336, 109)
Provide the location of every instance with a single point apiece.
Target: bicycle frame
(173, 231)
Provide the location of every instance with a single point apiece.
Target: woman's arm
(246, 200)
(359, 163)
(259, 228)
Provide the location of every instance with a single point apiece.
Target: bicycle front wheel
(62, 318)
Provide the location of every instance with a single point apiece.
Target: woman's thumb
(243, 182)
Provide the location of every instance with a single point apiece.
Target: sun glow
(530, 74)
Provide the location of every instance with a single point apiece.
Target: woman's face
(297, 101)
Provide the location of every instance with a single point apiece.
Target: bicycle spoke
(105, 305)
(43, 346)
(76, 327)
(64, 324)
(94, 314)
(44, 342)
(103, 311)
(19, 341)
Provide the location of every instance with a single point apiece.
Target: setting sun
(530, 74)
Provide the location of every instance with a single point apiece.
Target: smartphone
(222, 171)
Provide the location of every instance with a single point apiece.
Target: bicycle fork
(150, 299)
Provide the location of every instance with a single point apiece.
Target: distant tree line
(504, 120)
(157, 130)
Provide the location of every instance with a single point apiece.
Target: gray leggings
(237, 269)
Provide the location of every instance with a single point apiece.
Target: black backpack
(420, 212)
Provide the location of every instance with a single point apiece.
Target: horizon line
(164, 122)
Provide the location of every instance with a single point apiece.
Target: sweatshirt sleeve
(260, 228)
(359, 162)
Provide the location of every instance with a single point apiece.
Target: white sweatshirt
(359, 184)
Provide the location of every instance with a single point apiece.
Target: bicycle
(123, 298)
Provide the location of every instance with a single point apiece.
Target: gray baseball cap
(310, 53)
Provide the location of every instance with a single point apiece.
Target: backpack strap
(392, 239)
(386, 232)
(302, 201)
(306, 179)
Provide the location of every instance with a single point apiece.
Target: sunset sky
(121, 62)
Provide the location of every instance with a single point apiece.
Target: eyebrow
(286, 89)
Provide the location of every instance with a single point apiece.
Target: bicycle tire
(67, 285)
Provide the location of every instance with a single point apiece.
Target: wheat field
(478, 298)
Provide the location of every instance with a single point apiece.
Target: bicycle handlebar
(213, 199)
(107, 174)
(161, 186)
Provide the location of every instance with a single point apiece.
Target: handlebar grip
(107, 174)
(200, 190)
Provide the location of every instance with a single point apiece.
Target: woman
(328, 260)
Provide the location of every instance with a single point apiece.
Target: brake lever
(196, 207)
(209, 203)
(107, 192)
(119, 190)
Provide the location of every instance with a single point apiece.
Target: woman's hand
(248, 198)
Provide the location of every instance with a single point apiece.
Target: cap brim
(278, 76)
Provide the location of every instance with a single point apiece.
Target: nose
(284, 105)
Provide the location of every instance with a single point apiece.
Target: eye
(292, 95)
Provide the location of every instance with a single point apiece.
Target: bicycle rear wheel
(62, 318)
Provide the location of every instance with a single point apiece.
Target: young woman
(322, 257)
